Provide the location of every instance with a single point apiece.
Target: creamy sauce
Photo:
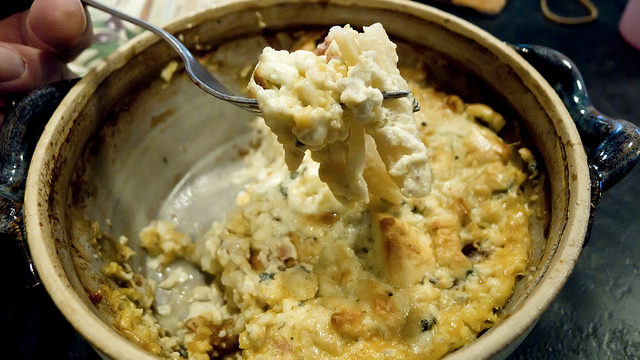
(295, 271)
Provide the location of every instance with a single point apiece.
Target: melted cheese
(300, 274)
(330, 102)
(296, 273)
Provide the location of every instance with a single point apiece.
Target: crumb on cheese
(330, 103)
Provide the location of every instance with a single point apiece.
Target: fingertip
(41, 68)
(13, 65)
(63, 25)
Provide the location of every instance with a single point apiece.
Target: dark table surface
(596, 316)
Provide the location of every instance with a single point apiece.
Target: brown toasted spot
(254, 260)
(402, 250)
(393, 236)
(283, 252)
(461, 208)
(448, 251)
(384, 305)
(327, 218)
(260, 81)
(306, 248)
(290, 262)
(348, 322)
(96, 297)
(454, 103)
(220, 337)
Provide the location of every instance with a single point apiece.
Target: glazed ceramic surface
(127, 146)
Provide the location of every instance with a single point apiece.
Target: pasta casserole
(360, 238)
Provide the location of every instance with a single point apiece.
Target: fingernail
(12, 67)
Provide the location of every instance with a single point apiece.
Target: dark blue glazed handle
(18, 137)
(614, 143)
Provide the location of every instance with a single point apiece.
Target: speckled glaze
(128, 173)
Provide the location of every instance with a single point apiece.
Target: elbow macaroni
(331, 102)
(297, 272)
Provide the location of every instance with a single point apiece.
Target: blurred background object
(484, 6)
(630, 23)
(591, 13)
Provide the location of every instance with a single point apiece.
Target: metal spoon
(199, 75)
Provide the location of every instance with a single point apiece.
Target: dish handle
(613, 144)
(20, 132)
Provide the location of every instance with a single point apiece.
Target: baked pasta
(293, 272)
(330, 103)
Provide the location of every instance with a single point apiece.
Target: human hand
(35, 46)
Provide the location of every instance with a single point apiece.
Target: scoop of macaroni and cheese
(330, 102)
